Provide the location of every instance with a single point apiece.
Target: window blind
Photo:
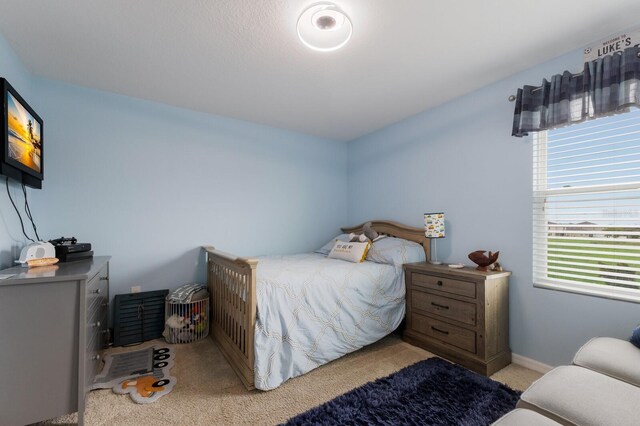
(586, 207)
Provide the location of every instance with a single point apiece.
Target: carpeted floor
(208, 391)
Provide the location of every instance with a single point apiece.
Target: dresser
(459, 314)
(53, 328)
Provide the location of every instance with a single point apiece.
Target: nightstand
(459, 314)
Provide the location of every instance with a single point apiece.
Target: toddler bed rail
(232, 288)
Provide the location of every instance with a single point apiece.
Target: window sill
(606, 292)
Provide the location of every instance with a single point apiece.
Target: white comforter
(312, 310)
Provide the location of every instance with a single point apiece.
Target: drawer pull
(440, 283)
(96, 324)
(95, 357)
(439, 331)
(105, 331)
(105, 304)
(104, 278)
(437, 305)
(97, 291)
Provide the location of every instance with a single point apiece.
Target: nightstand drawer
(448, 285)
(447, 333)
(456, 310)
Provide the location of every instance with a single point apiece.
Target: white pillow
(352, 252)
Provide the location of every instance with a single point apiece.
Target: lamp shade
(434, 225)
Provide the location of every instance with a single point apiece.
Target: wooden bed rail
(232, 287)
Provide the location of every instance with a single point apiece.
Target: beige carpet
(208, 391)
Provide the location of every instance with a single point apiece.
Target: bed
(312, 309)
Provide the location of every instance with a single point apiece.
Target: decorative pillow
(396, 251)
(325, 249)
(635, 337)
(353, 252)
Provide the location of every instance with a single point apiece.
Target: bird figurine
(482, 260)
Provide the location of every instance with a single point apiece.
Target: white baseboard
(531, 364)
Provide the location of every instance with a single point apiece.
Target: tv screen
(23, 139)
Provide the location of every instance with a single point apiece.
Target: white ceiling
(242, 58)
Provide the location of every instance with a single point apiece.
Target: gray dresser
(53, 328)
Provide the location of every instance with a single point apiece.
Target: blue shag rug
(430, 392)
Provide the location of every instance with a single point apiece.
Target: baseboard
(531, 364)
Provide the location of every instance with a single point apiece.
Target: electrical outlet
(136, 289)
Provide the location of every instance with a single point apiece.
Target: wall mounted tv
(22, 142)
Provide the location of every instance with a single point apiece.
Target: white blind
(586, 207)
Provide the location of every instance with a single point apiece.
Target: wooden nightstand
(459, 314)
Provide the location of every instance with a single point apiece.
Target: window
(586, 207)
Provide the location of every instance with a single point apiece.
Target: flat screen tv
(21, 157)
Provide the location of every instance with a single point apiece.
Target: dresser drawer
(447, 333)
(97, 335)
(96, 296)
(98, 280)
(456, 310)
(448, 285)
(95, 324)
(95, 339)
(93, 361)
(98, 305)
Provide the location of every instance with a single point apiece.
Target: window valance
(606, 86)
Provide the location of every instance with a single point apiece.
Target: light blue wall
(148, 184)
(11, 239)
(460, 158)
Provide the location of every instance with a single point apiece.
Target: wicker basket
(186, 322)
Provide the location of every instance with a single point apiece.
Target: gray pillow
(325, 249)
(396, 251)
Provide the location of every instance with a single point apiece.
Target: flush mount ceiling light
(324, 27)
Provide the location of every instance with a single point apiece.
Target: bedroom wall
(460, 158)
(11, 239)
(149, 184)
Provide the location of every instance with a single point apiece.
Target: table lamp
(434, 229)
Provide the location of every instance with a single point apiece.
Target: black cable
(27, 210)
(17, 211)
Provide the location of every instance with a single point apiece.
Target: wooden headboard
(399, 230)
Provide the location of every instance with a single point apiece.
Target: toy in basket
(187, 314)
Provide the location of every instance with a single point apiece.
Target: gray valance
(607, 86)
